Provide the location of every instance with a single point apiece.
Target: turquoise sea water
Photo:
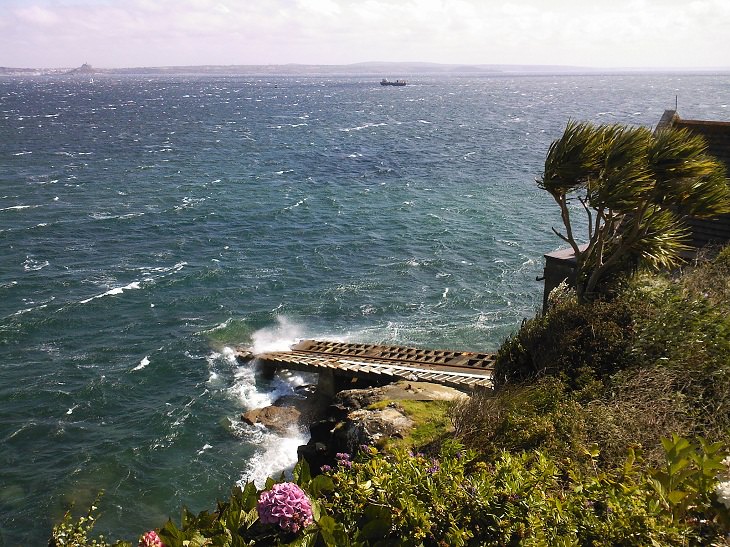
(150, 224)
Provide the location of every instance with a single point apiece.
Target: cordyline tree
(635, 189)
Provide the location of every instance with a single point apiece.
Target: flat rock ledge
(349, 423)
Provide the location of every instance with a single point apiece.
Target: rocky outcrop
(277, 418)
(291, 411)
(354, 419)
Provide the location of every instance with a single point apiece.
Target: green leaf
(301, 473)
(375, 529)
(677, 465)
(250, 496)
(197, 540)
(321, 484)
(676, 496)
(307, 539)
(249, 518)
(326, 525)
(171, 535)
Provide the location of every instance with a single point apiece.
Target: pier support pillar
(327, 385)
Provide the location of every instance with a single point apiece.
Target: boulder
(277, 418)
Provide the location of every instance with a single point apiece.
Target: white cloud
(37, 16)
(153, 32)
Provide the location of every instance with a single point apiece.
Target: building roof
(717, 135)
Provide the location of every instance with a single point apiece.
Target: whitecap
(143, 363)
(219, 326)
(297, 204)
(361, 127)
(115, 291)
(33, 265)
(25, 152)
(19, 207)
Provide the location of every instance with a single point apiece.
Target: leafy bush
(543, 416)
(652, 362)
(578, 343)
(523, 499)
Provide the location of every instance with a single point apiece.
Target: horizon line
(421, 64)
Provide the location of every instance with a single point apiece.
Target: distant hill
(377, 69)
(86, 68)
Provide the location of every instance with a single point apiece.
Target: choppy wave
(143, 363)
(115, 291)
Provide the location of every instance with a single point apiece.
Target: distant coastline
(374, 68)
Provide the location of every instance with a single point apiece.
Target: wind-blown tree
(636, 189)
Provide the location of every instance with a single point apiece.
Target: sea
(151, 224)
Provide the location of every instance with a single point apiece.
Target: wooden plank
(441, 366)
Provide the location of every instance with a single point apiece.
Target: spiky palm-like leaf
(634, 186)
(572, 160)
(687, 177)
(663, 238)
(624, 178)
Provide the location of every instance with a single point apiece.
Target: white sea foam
(277, 338)
(33, 265)
(115, 291)
(244, 389)
(297, 204)
(361, 127)
(19, 207)
(143, 363)
(277, 454)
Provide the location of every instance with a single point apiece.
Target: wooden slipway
(455, 368)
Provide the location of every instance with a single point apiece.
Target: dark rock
(316, 455)
(277, 418)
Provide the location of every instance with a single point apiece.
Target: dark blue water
(149, 224)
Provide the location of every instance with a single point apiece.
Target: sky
(587, 33)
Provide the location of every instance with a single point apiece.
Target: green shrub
(525, 499)
(75, 533)
(543, 416)
(528, 499)
(652, 362)
(579, 343)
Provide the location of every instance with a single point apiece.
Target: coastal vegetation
(610, 425)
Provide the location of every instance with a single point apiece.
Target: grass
(431, 423)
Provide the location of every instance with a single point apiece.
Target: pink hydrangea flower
(285, 505)
(150, 539)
